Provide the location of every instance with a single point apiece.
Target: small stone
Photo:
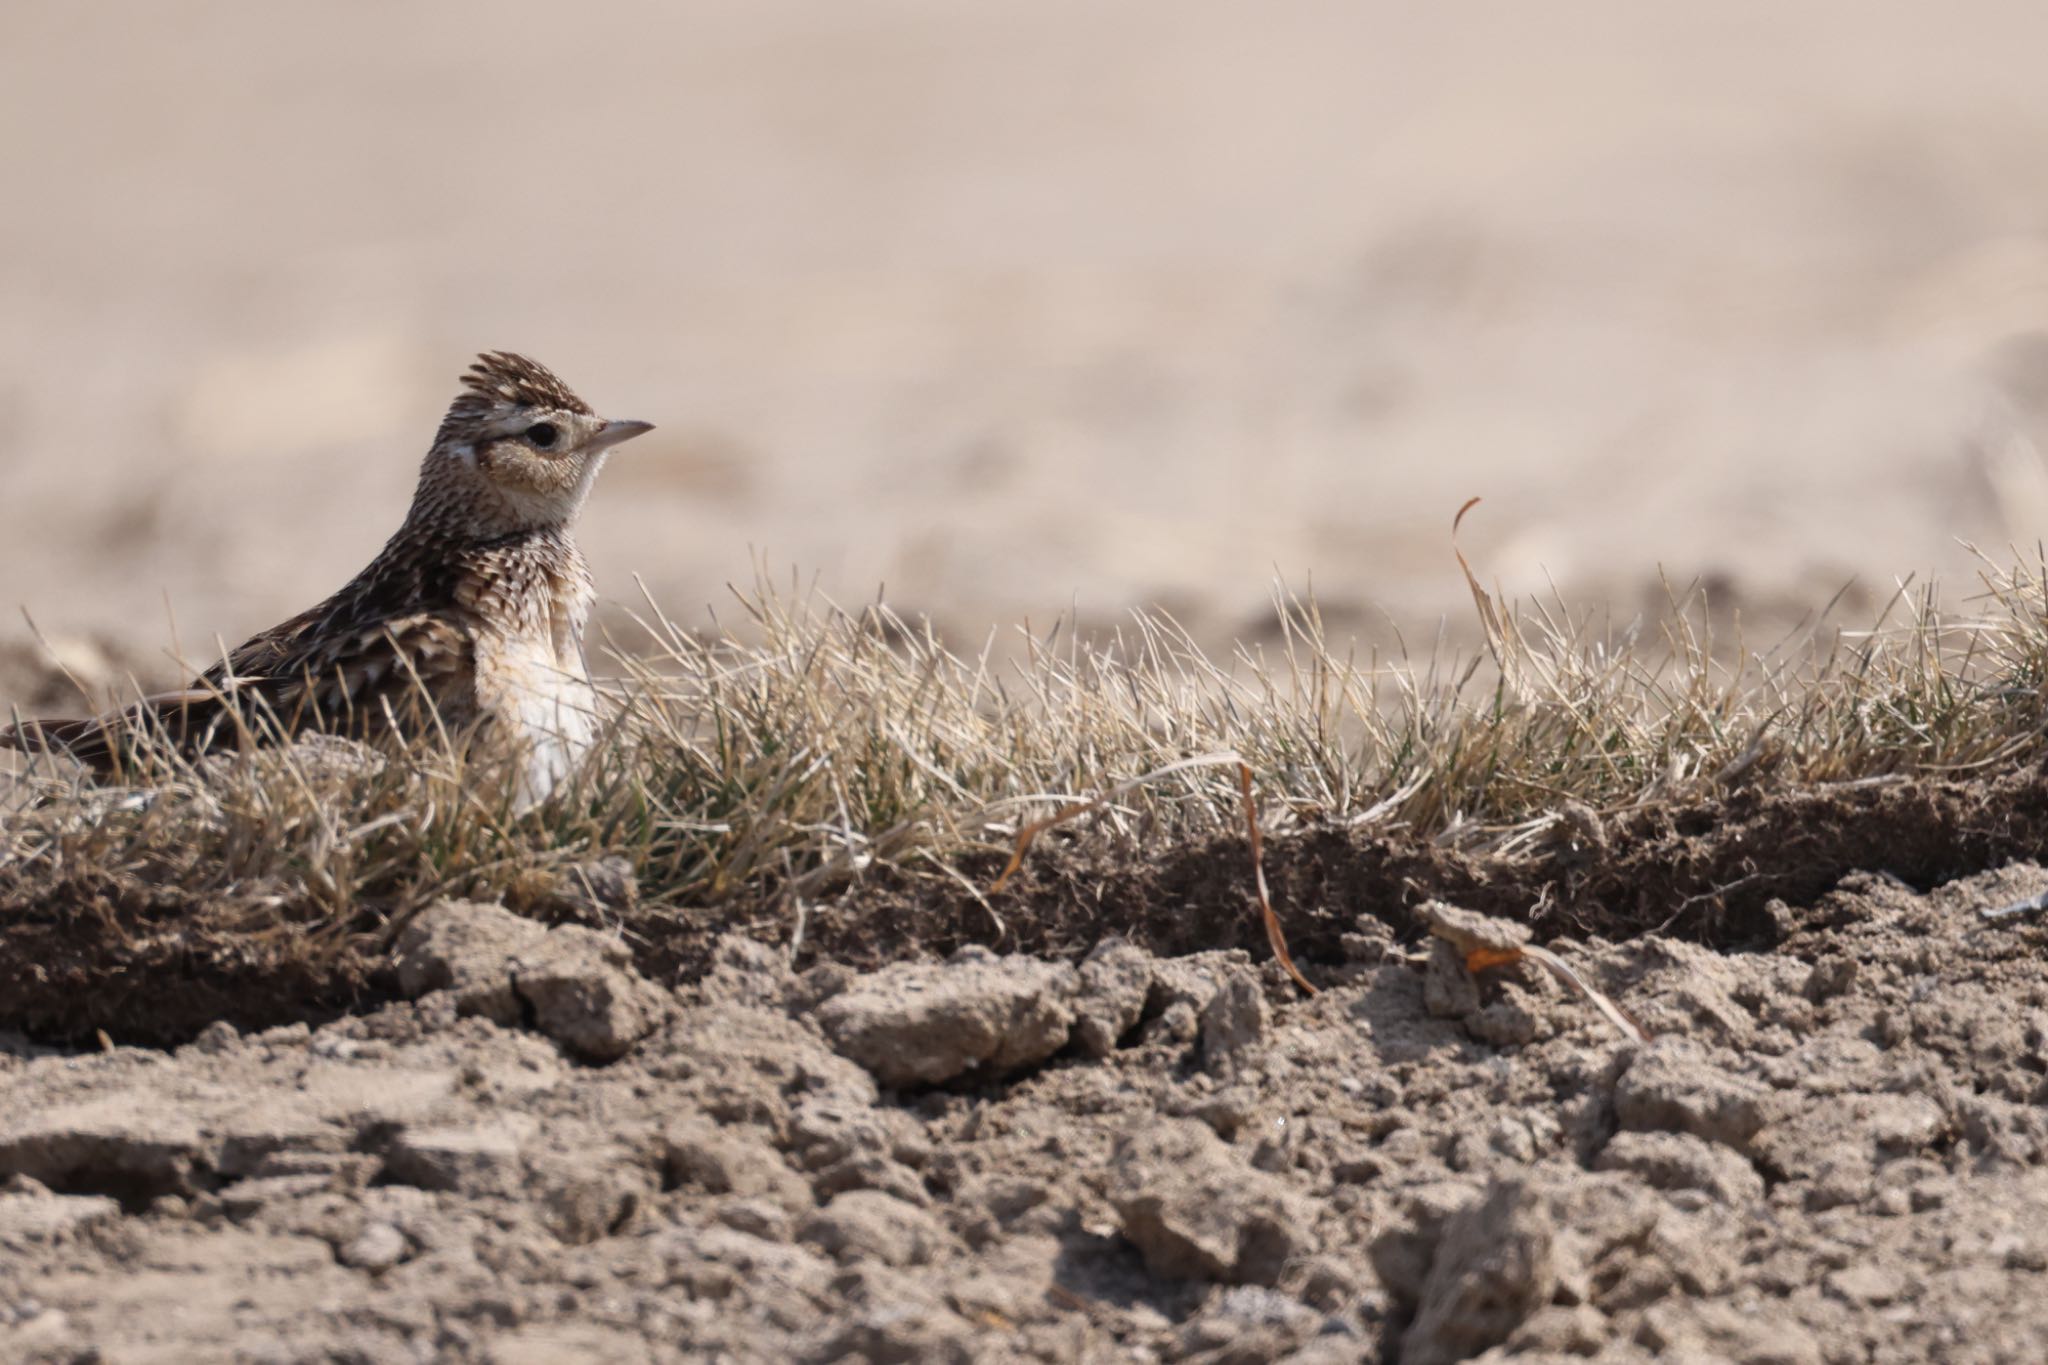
(1866, 1284)
(377, 1248)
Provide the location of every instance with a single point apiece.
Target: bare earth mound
(1832, 1150)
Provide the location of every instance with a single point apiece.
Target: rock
(377, 1248)
(1115, 979)
(1867, 1285)
(1680, 1161)
(868, 1225)
(1196, 1210)
(466, 947)
(585, 994)
(1670, 1087)
(927, 1023)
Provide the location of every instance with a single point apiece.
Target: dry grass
(775, 763)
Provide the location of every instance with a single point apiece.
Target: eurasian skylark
(470, 619)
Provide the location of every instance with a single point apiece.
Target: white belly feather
(547, 709)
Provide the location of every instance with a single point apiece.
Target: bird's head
(517, 451)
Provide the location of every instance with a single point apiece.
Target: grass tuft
(772, 765)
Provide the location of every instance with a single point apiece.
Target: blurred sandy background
(1023, 306)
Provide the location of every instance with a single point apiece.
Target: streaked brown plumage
(476, 605)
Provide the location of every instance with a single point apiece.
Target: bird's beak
(611, 433)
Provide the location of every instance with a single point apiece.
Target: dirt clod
(925, 1023)
(1680, 1161)
(585, 994)
(1115, 979)
(467, 948)
(30, 1214)
(1670, 1087)
(1233, 1022)
(1196, 1210)
(479, 1158)
(864, 1225)
(1497, 1264)
(1245, 1175)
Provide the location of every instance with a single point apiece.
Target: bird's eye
(541, 435)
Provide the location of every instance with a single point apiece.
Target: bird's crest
(500, 379)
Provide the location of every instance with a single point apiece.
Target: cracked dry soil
(1833, 1150)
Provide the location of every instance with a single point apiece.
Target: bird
(468, 622)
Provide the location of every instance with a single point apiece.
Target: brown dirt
(1707, 873)
(1831, 1151)
(85, 953)
(89, 952)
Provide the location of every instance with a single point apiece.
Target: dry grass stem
(810, 749)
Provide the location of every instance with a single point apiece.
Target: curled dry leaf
(1488, 942)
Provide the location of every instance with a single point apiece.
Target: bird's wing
(313, 672)
(357, 676)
